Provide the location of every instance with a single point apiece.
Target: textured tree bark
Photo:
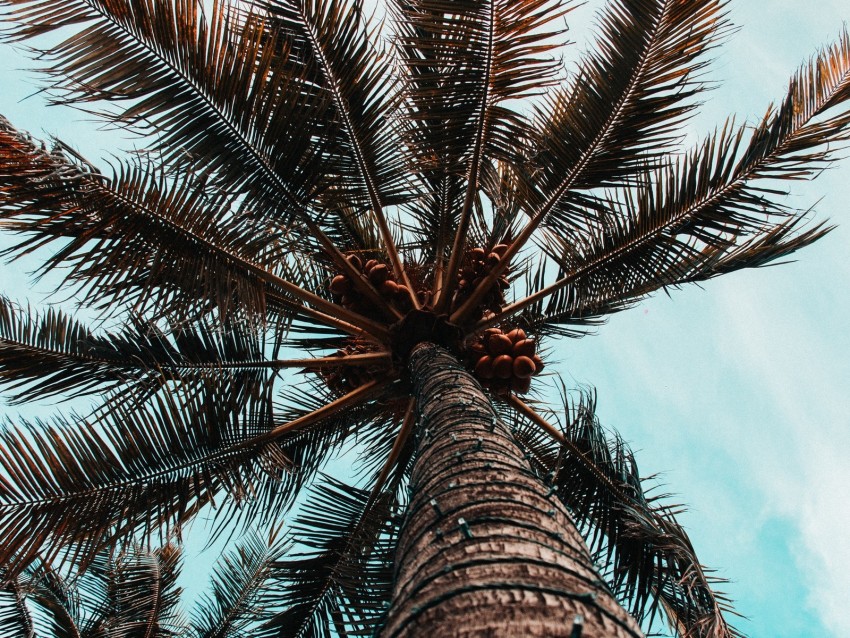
(486, 548)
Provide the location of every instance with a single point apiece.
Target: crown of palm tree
(318, 193)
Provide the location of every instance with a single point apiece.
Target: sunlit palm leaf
(625, 105)
(142, 596)
(131, 593)
(132, 235)
(334, 44)
(463, 61)
(713, 212)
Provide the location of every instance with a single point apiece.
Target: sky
(734, 393)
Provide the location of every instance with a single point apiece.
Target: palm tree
(344, 232)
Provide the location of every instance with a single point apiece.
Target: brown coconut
(517, 334)
(379, 274)
(521, 385)
(484, 368)
(503, 366)
(538, 364)
(524, 348)
(389, 287)
(499, 344)
(524, 367)
(340, 285)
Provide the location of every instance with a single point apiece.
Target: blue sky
(736, 392)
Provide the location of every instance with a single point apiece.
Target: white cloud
(802, 467)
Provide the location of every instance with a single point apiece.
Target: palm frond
(622, 109)
(715, 210)
(342, 577)
(54, 602)
(51, 354)
(463, 61)
(171, 247)
(15, 618)
(131, 591)
(627, 99)
(134, 467)
(649, 560)
(145, 594)
(234, 606)
(333, 42)
(223, 97)
(209, 85)
(311, 424)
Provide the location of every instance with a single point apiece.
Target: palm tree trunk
(487, 549)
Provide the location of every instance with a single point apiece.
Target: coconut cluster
(380, 274)
(477, 264)
(505, 361)
(344, 379)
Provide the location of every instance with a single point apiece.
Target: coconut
(524, 367)
(538, 364)
(340, 285)
(355, 261)
(379, 274)
(499, 344)
(500, 249)
(389, 287)
(524, 348)
(477, 254)
(493, 259)
(484, 368)
(369, 265)
(517, 334)
(521, 386)
(503, 366)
